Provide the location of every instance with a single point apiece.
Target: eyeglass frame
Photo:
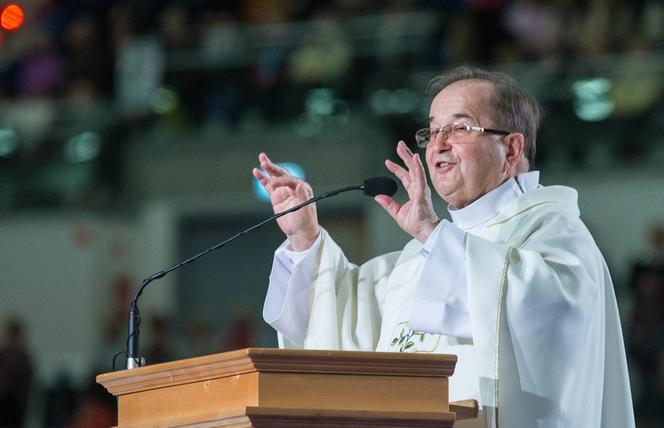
(452, 127)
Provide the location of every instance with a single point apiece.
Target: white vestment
(516, 287)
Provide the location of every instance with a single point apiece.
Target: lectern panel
(353, 392)
(188, 400)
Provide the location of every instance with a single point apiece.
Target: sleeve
(288, 293)
(326, 302)
(440, 303)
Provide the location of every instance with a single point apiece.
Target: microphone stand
(133, 329)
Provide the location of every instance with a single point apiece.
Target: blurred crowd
(80, 78)
(224, 59)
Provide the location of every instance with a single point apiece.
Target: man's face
(465, 167)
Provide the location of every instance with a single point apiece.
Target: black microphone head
(379, 186)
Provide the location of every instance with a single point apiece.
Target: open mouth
(444, 164)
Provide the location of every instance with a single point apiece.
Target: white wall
(56, 275)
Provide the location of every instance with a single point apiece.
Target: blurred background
(128, 130)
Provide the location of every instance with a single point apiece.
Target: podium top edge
(249, 360)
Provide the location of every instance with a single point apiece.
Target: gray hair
(511, 107)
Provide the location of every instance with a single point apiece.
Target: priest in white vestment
(514, 285)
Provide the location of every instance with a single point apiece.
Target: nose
(439, 141)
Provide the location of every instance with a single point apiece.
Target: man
(514, 285)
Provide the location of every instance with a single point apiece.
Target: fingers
(399, 172)
(259, 176)
(390, 205)
(273, 177)
(303, 192)
(419, 178)
(414, 171)
(270, 167)
(405, 154)
(263, 179)
(280, 194)
(285, 181)
(279, 184)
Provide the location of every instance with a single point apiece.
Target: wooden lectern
(258, 387)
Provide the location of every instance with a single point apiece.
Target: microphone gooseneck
(371, 187)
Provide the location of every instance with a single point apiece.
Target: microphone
(371, 187)
(379, 186)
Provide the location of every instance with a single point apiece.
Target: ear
(514, 155)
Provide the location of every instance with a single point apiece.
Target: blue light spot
(294, 169)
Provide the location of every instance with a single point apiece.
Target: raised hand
(416, 216)
(301, 227)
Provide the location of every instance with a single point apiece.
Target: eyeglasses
(423, 136)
